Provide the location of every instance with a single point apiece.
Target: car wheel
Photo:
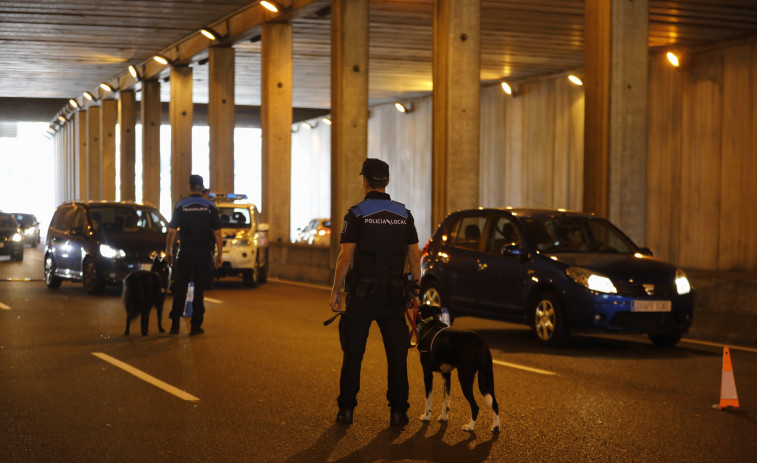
(93, 280)
(51, 280)
(665, 340)
(262, 270)
(248, 278)
(548, 320)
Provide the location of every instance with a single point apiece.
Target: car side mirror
(646, 251)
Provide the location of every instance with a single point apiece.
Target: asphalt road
(261, 385)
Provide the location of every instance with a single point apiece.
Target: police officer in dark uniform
(378, 238)
(199, 227)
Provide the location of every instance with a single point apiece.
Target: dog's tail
(486, 374)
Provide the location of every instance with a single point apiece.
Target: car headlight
(682, 283)
(111, 253)
(17, 237)
(592, 280)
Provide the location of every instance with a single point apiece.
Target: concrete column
(127, 121)
(615, 137)
(181, 115)
(108, 119)
(349, 108)
(456, 116)
(151, 117)
(276, 122)
(80, 145)
(94, 163)
(221, 118)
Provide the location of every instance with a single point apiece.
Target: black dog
(443, 349)
(142, 290)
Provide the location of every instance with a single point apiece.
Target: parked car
(29, 227)
(317, 232)
(556, 271)
(100, 242)
(245, 239)
(11, 237)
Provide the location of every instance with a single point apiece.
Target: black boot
(398, 418)
(344, 416)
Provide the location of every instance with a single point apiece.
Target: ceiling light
(106, 87)
(208, 33)
(673, 59)
(73, 103)
(270, 6)
(160, 59)
(326, 121)
(307, 125)
(134, 73)
(400, 107)
(575, 79)
(61, 118)
(88, 96)
(506, 87)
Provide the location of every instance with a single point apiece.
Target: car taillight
(424, 252)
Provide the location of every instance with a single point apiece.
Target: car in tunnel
(556, 271)
(100, 242)
(29, 227)
(317, 232)
(11, 237)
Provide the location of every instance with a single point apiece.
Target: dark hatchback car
(11, 238)
(29, 228)
(100, 242)
(556, 271)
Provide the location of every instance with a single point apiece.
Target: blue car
(556, 271)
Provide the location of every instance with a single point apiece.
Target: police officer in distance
(199, 227)
(378, 237)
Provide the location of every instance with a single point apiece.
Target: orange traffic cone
(728, 396)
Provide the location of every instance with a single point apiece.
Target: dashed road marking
(4, 307)
(522, 367)
(145, 377)
(297, 283)
(210, 299)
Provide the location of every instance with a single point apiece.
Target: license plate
(147, 267)
(650, 306)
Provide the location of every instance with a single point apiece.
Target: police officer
(199, 227)
(378, 237)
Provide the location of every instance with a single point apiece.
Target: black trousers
(192, 264)
(354, 326)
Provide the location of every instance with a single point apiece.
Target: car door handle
(481, 265)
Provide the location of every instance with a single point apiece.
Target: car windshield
(576, 235)
(234, 217)
(25, 220)
(127, 220)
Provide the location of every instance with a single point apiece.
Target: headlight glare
(682, 283)
(591, 280)
(110, 252)
(17, 237)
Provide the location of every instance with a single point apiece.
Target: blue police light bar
(229, 196)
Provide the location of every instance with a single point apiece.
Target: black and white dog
(144, 289)
(443, 349)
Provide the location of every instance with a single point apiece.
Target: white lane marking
(525, 368)
(297, 283)
(4, 307)
(715, 344)
(210, 299)
(145, 377)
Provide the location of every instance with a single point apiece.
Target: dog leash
(411, 320)
(328, 322)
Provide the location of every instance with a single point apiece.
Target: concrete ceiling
(53, 50)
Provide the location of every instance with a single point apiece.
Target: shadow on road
(384, 447)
